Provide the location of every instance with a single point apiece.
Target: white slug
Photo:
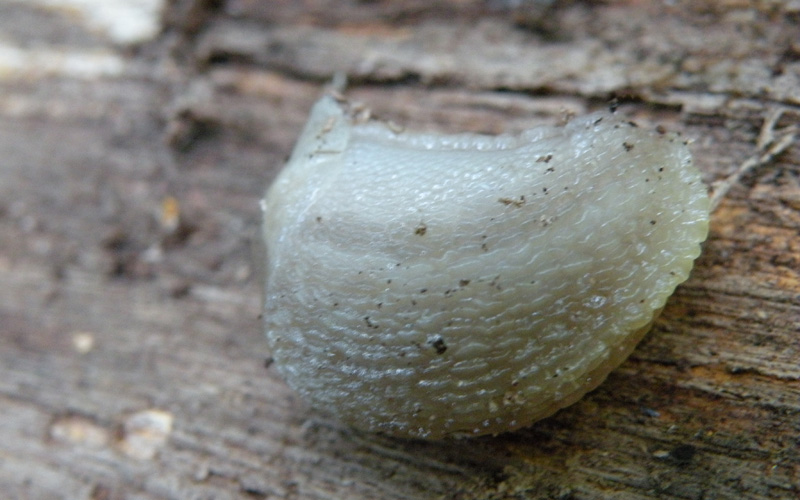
(430, 286)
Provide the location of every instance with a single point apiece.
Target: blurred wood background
(135, 145)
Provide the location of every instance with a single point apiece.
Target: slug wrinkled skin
(433, 286)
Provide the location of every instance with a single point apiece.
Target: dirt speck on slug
(439, 345)
(511, 201)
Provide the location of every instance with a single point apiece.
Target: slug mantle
(434, 286)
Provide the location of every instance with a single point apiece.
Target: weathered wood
(131, 359)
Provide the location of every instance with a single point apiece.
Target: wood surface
(132, 363)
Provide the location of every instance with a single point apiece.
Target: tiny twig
(766, 135)
(769, 145)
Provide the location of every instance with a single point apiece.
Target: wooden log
(132, 363)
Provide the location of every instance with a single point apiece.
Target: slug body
(431, 286)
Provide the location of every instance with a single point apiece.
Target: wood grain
(131, 359)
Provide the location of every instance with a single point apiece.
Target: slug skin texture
(433, 286)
